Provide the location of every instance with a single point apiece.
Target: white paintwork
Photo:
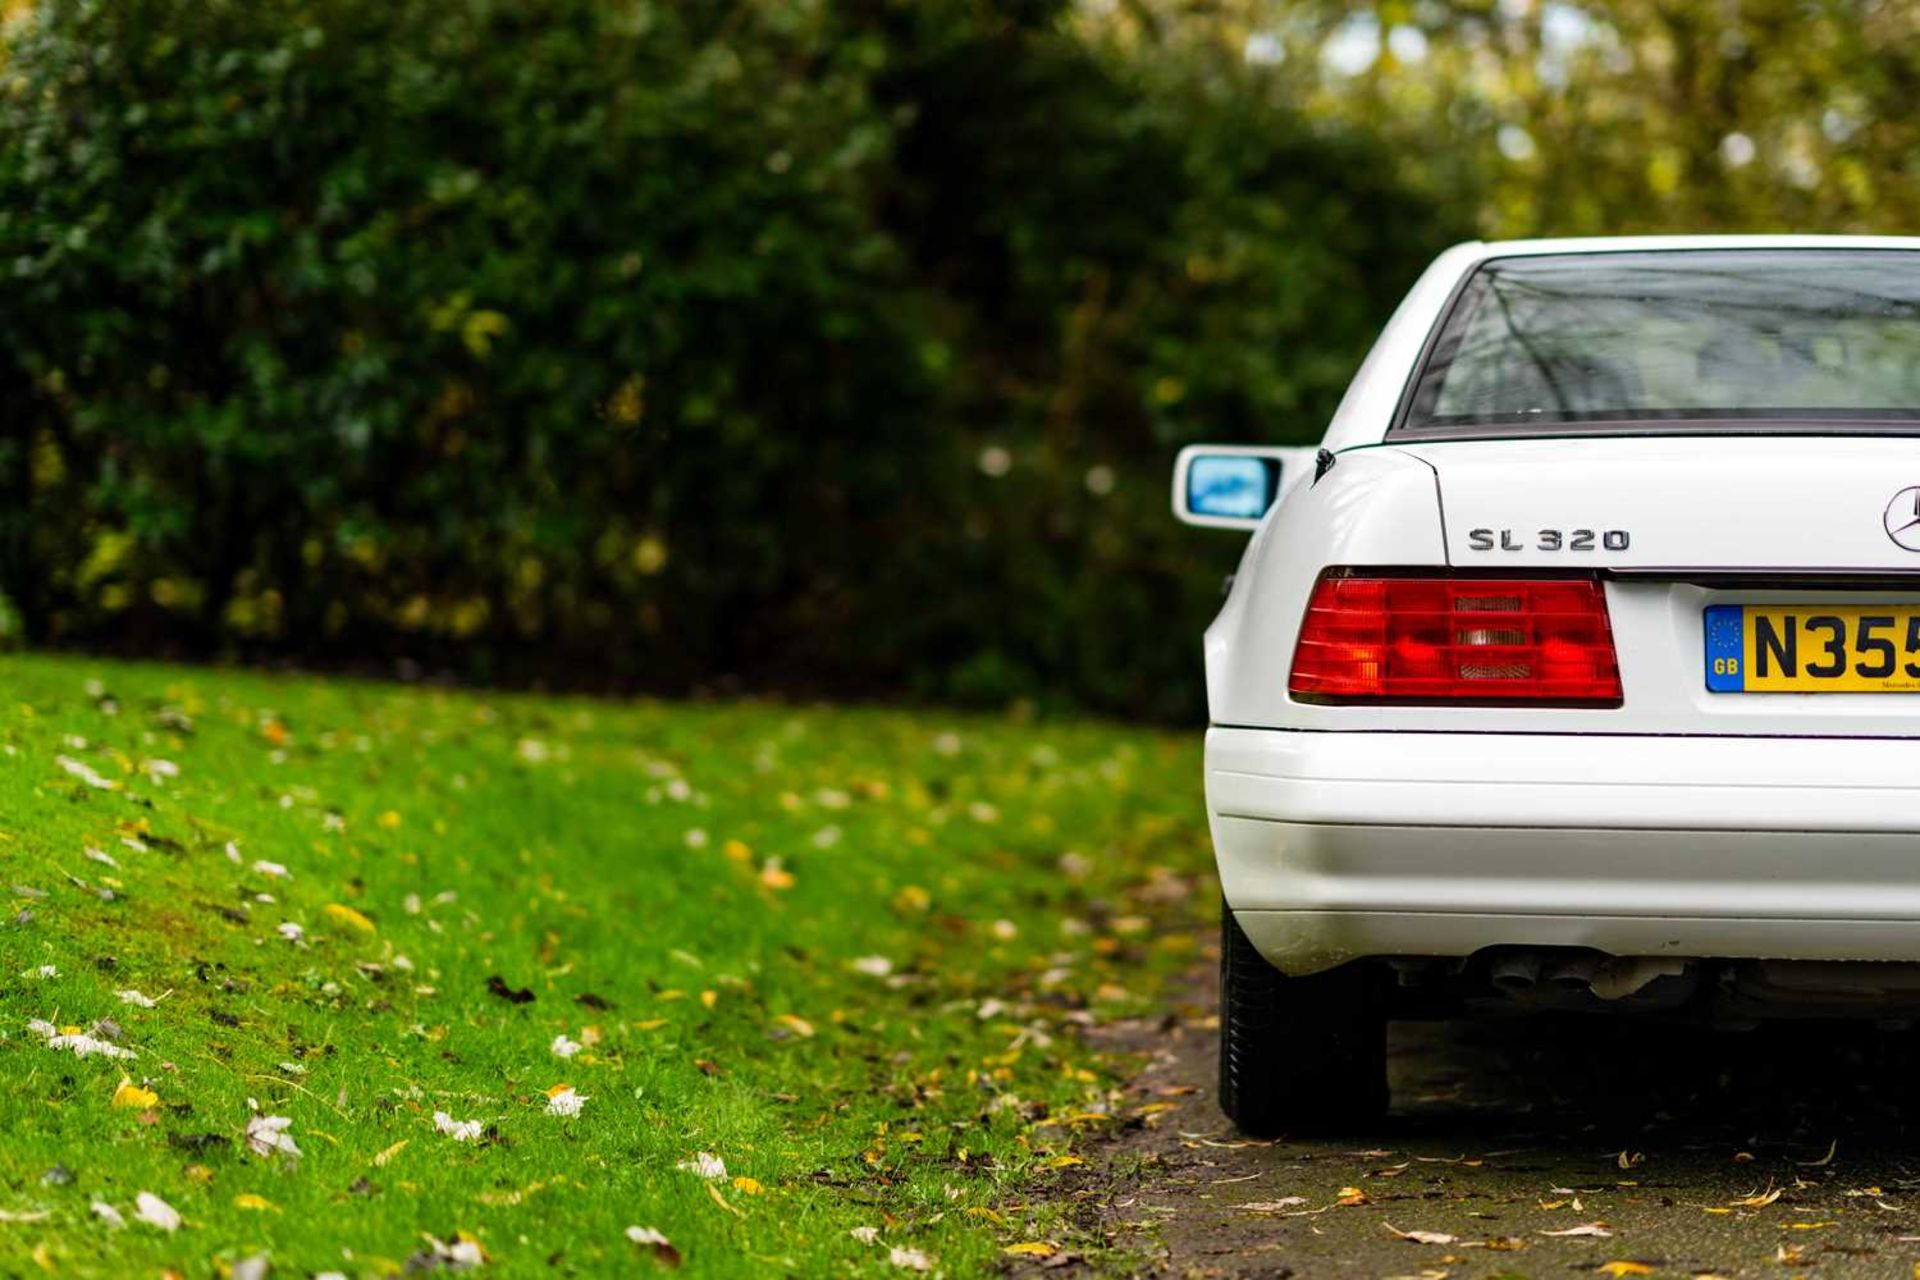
(1798, 503)
(1680, 823)
(1338, 845)
(1295, 462)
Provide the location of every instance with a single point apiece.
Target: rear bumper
(1338, 845)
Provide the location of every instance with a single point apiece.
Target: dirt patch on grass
(1528, 1147)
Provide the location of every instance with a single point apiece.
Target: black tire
(1298, 1056)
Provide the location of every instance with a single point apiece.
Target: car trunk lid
(1722, 504)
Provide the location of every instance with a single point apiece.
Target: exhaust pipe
(1575, 974)
(1516, 973)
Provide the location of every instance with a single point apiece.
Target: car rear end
(1591, 682)
(1497, 748)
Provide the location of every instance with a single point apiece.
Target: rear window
(1684, 339)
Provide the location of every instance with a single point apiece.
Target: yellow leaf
(132, 1095)
(709, 998)
(345, 915)
(197, 1173)
(558, 1089)
(1031, 1249)
(390, 819)
(799, 1026)
(749, 1186)
(380, 1161)
(722, 1201)
(1064, 1162)
(248, 1200)
(1625, 1268)
(1351, 1196)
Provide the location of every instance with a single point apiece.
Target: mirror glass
(1232, 486)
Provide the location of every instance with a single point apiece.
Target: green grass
(685, 890)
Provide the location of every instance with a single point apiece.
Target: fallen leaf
(497, 987)
(258, 1203)
(132, 1095)
(1031, 1249)
(748, 1186)
(1352, 1197)
(1421, 1237)
(1624, 1267)
(1585, 1229)
(385, 1157)
(1826, 1159)
(721, 1200)
(1758, 1200)
(458, 1130)
(910, 1259)
(657, 1244)
(344, 915)
(154, 1211)
(267, 1135)
(705, 1165)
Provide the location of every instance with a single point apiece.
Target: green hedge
(829, 348)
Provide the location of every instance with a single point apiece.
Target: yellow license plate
(1813, 648)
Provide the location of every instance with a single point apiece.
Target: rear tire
(1298, 1055)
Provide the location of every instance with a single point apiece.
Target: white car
(1579, 667)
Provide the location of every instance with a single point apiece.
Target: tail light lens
(1370, 639)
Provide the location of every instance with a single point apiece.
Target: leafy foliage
(1569, 117)
(824, 346)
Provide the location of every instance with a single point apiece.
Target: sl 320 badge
(1549, 540)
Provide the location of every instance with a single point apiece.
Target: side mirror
(1226, 486)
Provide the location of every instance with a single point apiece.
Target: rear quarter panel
(1375, 507)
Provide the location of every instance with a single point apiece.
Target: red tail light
(1369, 639)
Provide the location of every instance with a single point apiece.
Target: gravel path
(1649, 1149)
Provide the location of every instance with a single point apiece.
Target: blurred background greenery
(817, 346)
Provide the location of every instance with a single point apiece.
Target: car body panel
(1765, 504)
(1559, 831)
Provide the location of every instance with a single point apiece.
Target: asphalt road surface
(1533, 1147)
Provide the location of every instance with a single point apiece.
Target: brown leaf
(498, 988)
(656, 1244)
(1421, 1237)
(1584, 1229)
(1758, 1200)
(1826, 1159)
